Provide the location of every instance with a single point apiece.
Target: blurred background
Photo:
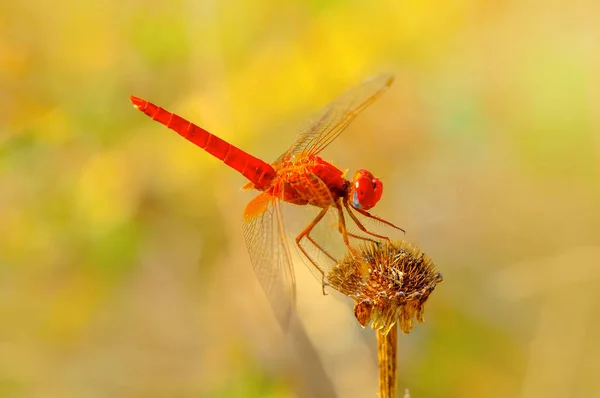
(123, 270)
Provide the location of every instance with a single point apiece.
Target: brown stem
(387, 348)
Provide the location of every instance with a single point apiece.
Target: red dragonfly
(299, 177)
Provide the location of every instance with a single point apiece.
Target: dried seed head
(389, 282)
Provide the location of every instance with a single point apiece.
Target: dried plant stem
(389, 283)
(387, 349)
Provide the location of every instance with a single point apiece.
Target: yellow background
(123, 271)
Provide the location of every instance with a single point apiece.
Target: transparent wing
(327, 124)
(264, 233)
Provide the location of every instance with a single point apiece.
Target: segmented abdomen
(261, 174)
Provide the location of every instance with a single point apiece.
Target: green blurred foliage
(122, 265)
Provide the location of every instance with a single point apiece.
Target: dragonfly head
(366, 190)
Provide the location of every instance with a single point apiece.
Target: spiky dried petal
(389, 282)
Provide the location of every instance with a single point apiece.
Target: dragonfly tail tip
(136, 101)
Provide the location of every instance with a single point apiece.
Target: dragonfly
(300, 177)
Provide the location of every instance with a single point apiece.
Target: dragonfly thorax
(309, 180)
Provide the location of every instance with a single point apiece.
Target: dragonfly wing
(264, 233)
(327, 124)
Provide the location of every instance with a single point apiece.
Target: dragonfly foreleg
(369, 215)
(360, 224)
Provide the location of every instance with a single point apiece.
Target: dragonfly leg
(362, 227)
(326, 253)
(306, 234)
(343, 230)
(369, 215)
(355, 236)
(320, 248)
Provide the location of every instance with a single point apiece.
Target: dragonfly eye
(366, 190)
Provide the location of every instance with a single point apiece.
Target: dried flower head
(389, 282)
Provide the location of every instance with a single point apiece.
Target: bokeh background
(123, 271)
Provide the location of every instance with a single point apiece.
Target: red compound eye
(366, 191)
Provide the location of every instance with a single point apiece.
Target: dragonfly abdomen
(261, 174)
